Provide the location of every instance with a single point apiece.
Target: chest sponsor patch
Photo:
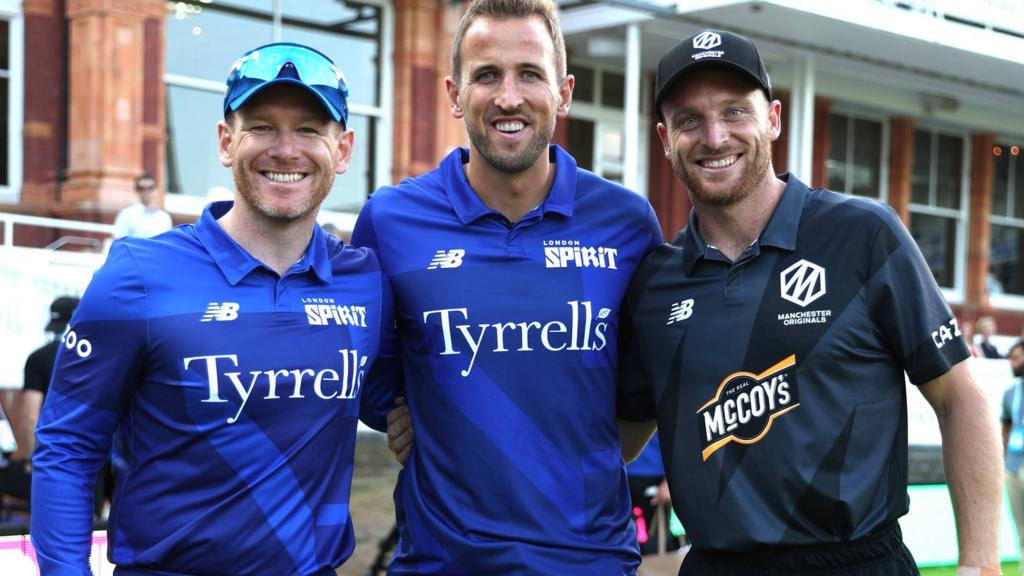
(746, 404)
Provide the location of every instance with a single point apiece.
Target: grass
(1009, 569)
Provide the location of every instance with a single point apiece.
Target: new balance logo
(680, 311)
(221, 312)
(447, 259)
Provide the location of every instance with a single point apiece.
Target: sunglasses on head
(294, 62)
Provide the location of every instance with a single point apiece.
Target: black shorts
(878, 554)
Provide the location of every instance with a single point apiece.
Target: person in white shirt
(145, 218)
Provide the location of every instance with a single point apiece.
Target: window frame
(1007, 301)
(853, 113)
(955, 294)
(607, 118)
(11, 11)
(378, 115)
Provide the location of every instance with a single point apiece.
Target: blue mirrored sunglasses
(270, 64)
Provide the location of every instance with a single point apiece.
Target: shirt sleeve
(384, 382)
(98, 364)
(908, 306)
(634, 400)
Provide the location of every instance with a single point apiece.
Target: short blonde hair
(505, 10)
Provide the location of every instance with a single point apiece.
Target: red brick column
(115, 119)
(978, 232)
(822, 144)
(901, 165)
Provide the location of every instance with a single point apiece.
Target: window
(937, 203)
(10, 100)
(856, 149)
(1006, 248)
(203, 39)
(596, 122)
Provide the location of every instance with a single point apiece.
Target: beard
(510, 162)
(755, 172)
(247, 187)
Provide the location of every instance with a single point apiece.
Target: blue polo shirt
(778, 380)
(508, 336)
(234, 394)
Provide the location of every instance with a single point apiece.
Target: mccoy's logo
(802, 283)
(745, 406)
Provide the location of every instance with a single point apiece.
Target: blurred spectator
(16, 479)
(145, 218)
(967, 329)
(987, 328)
(1013, 439)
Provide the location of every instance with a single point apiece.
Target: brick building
(916, 103)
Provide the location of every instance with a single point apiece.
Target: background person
(145, 218)
(1012, 419)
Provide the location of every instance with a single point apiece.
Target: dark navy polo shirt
(778, 380)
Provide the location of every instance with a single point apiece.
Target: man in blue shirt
(1012, 419)
(770, 341)
(228, 358)
(509, 264)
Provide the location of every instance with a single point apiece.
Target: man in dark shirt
(15, 478)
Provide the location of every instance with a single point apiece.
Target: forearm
(62, 520)
(973, 463)
(634, 436)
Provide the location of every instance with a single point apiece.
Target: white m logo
(802, 283)
(707, 40)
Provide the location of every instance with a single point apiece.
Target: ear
(775, 119)
(224, 139)
(565, 95)
(346, 140)
(663, 135)
(453, 97)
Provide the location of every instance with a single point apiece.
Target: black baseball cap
(707, 49)
(60, 313)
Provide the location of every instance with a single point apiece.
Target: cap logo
(707, 40)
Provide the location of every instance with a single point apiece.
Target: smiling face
(510, 92)
(284, 151)
(717, 133)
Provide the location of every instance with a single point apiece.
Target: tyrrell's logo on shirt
(745, 406)
(571, 254)
(326, 384)
(585, 332)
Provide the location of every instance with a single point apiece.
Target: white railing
(9, 221)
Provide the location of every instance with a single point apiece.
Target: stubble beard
(246, 185)
(757, 170)
(511, 162)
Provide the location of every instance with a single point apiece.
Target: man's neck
(514, 195)
(277, 244)
(731, 229)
